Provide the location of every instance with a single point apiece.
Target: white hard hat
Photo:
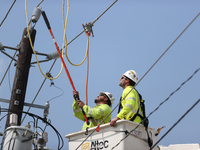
(110, 96)
(131, 74)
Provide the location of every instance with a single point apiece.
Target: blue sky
(130, 35)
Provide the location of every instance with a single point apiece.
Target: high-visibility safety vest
(95, 115)
(130, 104)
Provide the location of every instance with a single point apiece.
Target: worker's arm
(76, 108)
(98, 111)
(125, 110)
(128, 106)
(79, 102)
(77, 111)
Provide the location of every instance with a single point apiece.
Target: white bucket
(109, 137)
(17, 138)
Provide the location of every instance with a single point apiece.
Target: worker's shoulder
(129, 89)
(104, 106)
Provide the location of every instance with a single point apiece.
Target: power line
(58, 95)
(175, 124)
(39, 3)
(171, 45)
(7, 69)
(174, 92)
(7, 13)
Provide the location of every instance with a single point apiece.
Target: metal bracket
(25, 104)
(88, 28)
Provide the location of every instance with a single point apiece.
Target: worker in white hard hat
(130, 100)
(97, 114)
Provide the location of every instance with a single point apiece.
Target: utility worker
(130, 100)
(97, 114)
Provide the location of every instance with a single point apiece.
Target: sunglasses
(104, 95)
(123, 77)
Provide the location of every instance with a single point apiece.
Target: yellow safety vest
(96, 115)
(130, 104)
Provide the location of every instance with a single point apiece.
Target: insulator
(53, 55)
(13, 119)
(44, 135)
(36, 14)
(46, 110)
(1, 46)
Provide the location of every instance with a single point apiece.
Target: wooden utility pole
(21, 76)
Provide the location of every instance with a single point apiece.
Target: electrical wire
(65, 23)
(60, 139)
(39, 3)
(84, 57)
(47, 125)
(3, 117)
(8, 55)
(65, 38)
(65, 45)
(8, 68)
(176, 123)
(9, 80)
(173, 92)
(104, 12)
(7, 13)
(86, 88)
(58, 95)
(170, 45)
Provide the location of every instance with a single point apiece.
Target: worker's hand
(75, 93)
(80, 103)
(113, 121)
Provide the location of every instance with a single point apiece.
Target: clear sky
(131, 35)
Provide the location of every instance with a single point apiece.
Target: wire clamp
(1, 47)
(88, 28)
(48, 74)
